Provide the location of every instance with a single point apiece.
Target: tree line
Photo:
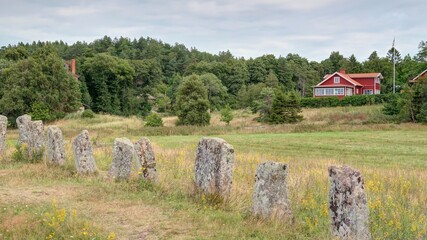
(133, 76)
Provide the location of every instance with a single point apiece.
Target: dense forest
(131, 77)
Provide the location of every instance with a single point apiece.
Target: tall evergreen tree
(285, 109)
(192, 102)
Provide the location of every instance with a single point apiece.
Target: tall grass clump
(22, 154)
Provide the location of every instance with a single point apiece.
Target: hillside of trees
(131, 77)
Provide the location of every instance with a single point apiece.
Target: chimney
(342, 71)
(73, 66)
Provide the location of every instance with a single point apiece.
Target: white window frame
(331, 91)
(339, 91)
(377, 91)
(337, 80)
(368, 91)
(319, 91)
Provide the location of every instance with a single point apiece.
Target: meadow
(41, 202)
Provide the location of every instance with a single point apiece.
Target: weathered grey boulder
(24, 128)
(145, 160)
(214, 167)
(55, 146)
(121, 166)
(36, 139)
(85, 163)
(3, 127)
(348, 206)
(31, 133)
(270, 196)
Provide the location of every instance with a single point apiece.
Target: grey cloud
(247, 28)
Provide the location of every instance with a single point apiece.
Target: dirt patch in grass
(128, 219)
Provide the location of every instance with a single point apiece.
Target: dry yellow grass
(392, 166)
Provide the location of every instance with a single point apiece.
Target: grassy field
(39, 202)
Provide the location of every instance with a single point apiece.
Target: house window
(339, 91)
(368, 92)
(377, 91)
(357, 91)
(329, 91)
(377, 80)
(319, 91)
(336, 79)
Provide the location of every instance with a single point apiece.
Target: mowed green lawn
(380, 148)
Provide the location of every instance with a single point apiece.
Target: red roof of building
(416, 78)
(364, 75)
(345, 76)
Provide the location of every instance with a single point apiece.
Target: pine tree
(192, 102)
(285, 109)
(293, 108)
(278, 109)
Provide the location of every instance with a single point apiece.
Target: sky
(247, 28)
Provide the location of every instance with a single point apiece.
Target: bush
(226, 115)
(88, 114)
(40, 111)
(392, 106)
(22, 154)
(153, 120)
(355, 100)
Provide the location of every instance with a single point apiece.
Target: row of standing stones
(213, 167)
(348, 207)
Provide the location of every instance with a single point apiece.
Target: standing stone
(214, 167)
(36, 139)
(55, 146)
(121, 166)
(85, 163)
(145, 160)
(3, 127)
(270, 196)
(24, 125)
(31, 133)
(348, 206)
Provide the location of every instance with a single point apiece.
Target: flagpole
(394, 68)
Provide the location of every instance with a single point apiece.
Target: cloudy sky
(249, 28)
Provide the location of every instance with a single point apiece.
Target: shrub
(422, 115)
(355, 100)
(88, 114)
(153, 120)
(22, 154)
(392, 106)
(227, 115)
(40, 111)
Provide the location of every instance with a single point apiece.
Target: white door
(349, 91)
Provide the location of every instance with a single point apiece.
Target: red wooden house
(341, 84)
(422, 75)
